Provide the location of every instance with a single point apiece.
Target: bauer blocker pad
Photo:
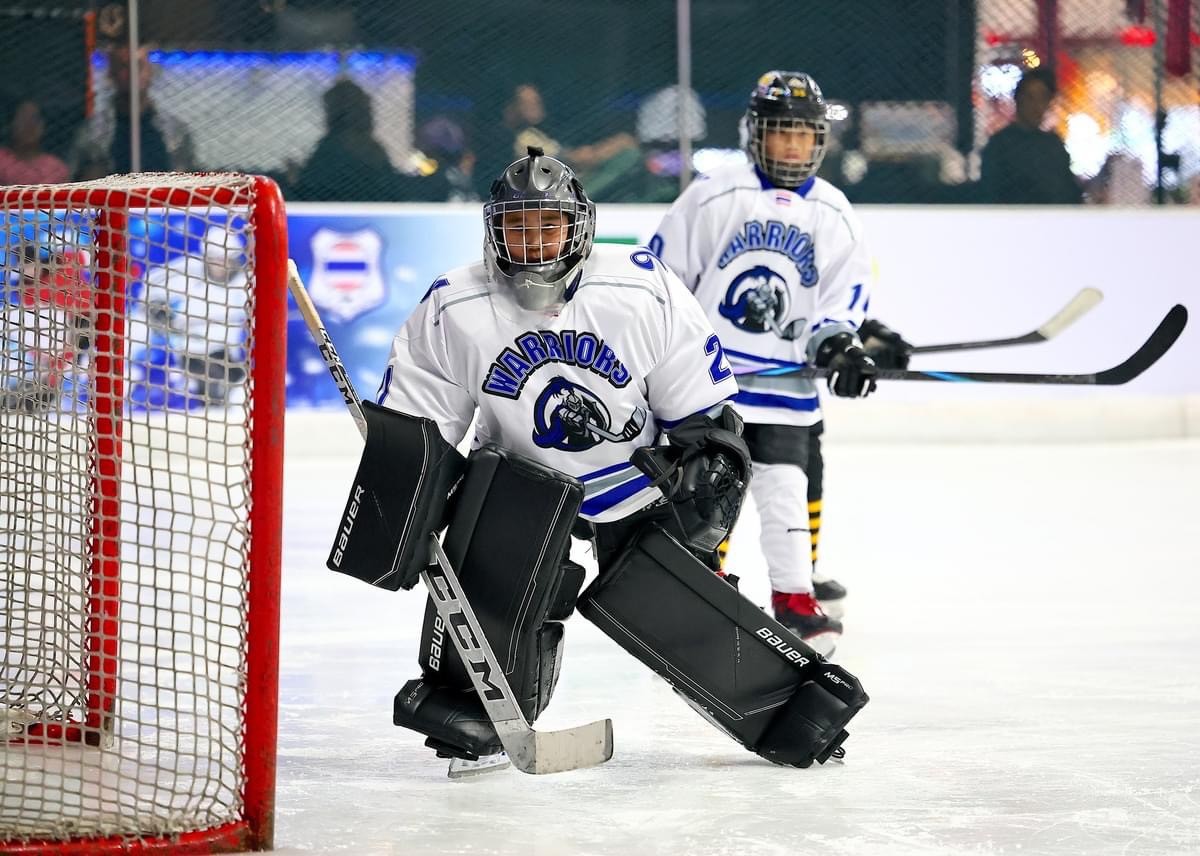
(741, 669)
(400, 495)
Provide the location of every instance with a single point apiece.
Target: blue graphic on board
(366, 274)
(366, 271)
(346, 279)
(178, 358)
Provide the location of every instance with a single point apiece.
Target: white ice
(1026, 619)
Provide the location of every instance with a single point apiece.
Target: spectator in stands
(443, 164)
(1022, 164)
(658, 135)
(349, 163)
(23, 161)
(103, 144)
(601, 165)
(1119, 181)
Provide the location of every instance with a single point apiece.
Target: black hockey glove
(705, 472)
(852, 371)
(884, 345)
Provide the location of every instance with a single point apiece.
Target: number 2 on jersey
(719, 369)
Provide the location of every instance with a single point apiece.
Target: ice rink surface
(1025, 618)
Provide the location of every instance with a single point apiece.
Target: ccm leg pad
(508, 541)
(744, 671)
(398, 499)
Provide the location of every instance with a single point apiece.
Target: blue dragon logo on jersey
(757, 301)
(572, 418)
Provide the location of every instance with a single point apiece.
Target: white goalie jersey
(777, 272)
(579, 387)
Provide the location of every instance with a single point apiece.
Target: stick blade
(1082, 303)
(1160, 341)
(540, 752)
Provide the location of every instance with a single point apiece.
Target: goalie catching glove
(704, 472)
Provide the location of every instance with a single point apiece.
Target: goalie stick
(1159, 342)
(1078, 306)
(530, 751)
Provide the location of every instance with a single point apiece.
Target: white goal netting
(128, 407)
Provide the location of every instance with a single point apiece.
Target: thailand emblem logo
(346, 279)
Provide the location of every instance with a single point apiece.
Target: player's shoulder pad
(454, 282)
(722, 179)
(831, 198)
(639, 274)
(823, 191)
(618, 264)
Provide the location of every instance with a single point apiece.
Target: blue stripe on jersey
(604, 501)
(766, 399)
(825, 322)
(753, 358)
(600, 473)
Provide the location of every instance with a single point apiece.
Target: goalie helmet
(538, 270)
(782, 101)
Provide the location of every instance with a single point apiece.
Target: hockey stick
(1148, 354)
(1078, 306)
(530, 751)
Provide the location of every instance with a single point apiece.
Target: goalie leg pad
(745, 671)
(508, 541)
(399, 497)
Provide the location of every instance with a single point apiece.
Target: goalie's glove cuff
(852, 372)
(884, 345)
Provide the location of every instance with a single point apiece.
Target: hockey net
(141, 400)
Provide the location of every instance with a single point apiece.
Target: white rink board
(949, 274)
(957, 273)
(1023, 617)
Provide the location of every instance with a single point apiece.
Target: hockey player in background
(199, 302)
(573, 361)
(776, 256)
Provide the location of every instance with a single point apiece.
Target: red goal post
(143, 324)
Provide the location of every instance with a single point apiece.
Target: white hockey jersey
(578, 388)
(777, 271)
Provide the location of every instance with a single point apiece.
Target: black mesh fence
(369, 100)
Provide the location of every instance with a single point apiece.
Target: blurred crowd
(369, 139)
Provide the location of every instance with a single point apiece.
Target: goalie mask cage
(141, 451)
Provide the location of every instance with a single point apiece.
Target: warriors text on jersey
(578, 388)
(777, 271)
